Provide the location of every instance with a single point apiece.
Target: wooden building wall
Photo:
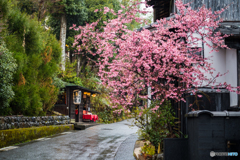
(61, 109)
(164, 8)
(71, 105)
(61, 106)
(80, 112)
(161, 8)
(232, 13)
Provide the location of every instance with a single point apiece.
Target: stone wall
(11, 122)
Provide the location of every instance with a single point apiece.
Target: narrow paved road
(101, 142)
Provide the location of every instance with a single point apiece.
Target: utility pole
(149, 97)
(148, 103)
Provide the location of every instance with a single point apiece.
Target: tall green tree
(39, 8)
(71, 12)
(38, 55)
(85, 14)
(62, 11)
(93, 16)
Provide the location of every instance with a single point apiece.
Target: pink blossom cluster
(129, 61)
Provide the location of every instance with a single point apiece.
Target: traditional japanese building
(223, 60)
(74, 101)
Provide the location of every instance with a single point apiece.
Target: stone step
(84, 125)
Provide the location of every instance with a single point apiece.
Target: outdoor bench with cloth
(87, 116)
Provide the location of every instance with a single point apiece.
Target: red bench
(89, 117)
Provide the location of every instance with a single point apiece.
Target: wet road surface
(102, 142)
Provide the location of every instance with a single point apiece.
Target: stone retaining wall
(11, 122)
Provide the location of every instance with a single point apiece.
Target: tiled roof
(224, 27)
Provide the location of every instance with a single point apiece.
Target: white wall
(224, 60)
(231, 77)
(218, 60)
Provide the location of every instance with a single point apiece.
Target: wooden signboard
(77, 96)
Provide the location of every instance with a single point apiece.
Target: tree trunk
(63, 31)
(78, 64)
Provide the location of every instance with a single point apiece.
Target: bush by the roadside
(7, 69)
(108, 116)
(161, 126)
(14, 136)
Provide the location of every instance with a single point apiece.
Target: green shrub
(14, 136)
(159, 126)
(106, 116)
(8, 67)
(148, 149)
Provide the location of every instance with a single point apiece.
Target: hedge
(15, 136)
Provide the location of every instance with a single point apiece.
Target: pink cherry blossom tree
(129, 61)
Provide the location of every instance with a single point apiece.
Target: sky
(148, 9)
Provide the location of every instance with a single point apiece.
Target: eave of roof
(74, 86)
(229, 27)
(224, 27)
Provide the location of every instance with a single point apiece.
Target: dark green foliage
(7, 69)
(80, 12)
(69, 75)
(106, 115)
(38, 55)
(159, 124)
(76, 13)
(4, 7)
(28, 6)
(39, 8)
(92, 5)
